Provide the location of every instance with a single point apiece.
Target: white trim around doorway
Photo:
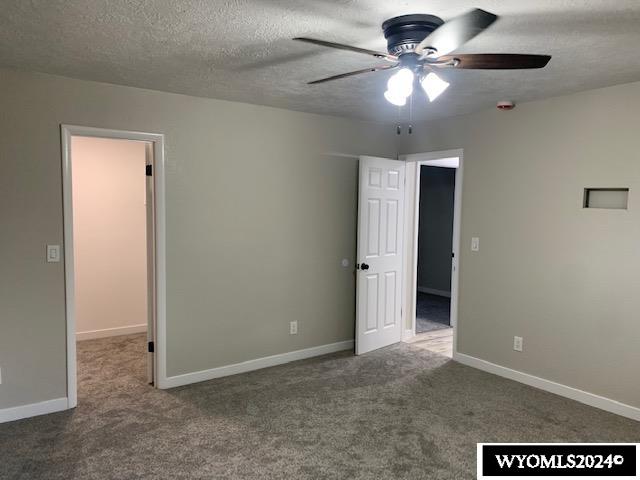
(414, 161)
(157, 140)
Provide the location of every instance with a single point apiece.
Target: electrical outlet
(293, 328)
(517, 344)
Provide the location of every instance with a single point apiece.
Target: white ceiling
(241, 49)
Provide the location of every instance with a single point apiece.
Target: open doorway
(435, 237)
(113, 250)
(433, 245)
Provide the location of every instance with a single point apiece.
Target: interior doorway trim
(414, 161)
(157, 140)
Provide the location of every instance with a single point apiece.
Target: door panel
(380, 237)
(373, 228)
(371, 286)
(392, 228)
(390, 290)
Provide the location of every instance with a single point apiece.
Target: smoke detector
(506, 105)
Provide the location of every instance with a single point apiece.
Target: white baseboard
(111, 332)
(581, 396)
(33, 409)
(258, 363)
(434, 291)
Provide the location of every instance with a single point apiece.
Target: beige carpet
(397, 413)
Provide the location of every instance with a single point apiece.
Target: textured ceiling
(241, 50)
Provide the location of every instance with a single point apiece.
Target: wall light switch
(53, 253)
(475, 244)
(517, 344)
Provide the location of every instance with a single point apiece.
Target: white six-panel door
(380, 261)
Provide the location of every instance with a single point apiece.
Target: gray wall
(563, 277)
(254, 200)
(435, 227)
(259, 215)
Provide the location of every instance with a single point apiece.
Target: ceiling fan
(419, 45)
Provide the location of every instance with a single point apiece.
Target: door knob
(364, 266)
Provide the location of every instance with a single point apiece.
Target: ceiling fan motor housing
(404, 33)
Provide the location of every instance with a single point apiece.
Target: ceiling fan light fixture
(394, 99)
(401, 83)
(433, 86)
(418, 43)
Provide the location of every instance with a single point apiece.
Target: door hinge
(150, 347)
(148, 170)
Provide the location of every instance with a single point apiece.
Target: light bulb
(398, 100)
(433, 86)
(401, 84)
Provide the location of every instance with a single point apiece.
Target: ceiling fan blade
(340, 46)
(452, 34)
(494, 61)
(351, 74)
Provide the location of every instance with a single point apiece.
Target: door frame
(414, 162)
(157, 140)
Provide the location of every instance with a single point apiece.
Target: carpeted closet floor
(432, 312)
(396, 413)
